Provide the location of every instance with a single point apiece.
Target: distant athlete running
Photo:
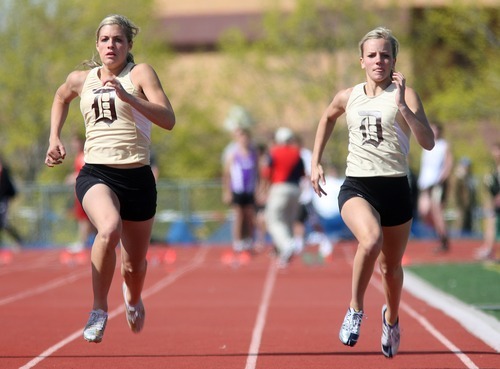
(375, 199)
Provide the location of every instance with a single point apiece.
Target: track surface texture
(208, 308)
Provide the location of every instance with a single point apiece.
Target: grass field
(477, 284)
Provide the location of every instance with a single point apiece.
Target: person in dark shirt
(490, 248)
(7, 193)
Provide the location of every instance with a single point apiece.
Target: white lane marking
(44, 288)
(421, 320)
(158, 286)
(260, 322)
(483, 326)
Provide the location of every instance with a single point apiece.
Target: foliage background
(41, 42)
(287, 77)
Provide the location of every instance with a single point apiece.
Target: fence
(187, 211)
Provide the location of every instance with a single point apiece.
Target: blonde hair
(129, 28)
(380, 33)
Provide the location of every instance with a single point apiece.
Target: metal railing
(187, 212)
(43, 214)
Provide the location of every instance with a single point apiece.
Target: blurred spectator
(237, 118)
(327, 207)
(465, 195)
(307, 227)
(153, 163)
(261, 198)
(284, 172)
(435, 169)
(85, 228)
(489, 249)
(240, 181)
(7, 193)
(413, 182)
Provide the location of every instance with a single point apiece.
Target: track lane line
(44, 288)
(436, 333)
(260, 322)
(377, 283)
(481, 325)
(431, 329)
(34, 262)
(155, 288)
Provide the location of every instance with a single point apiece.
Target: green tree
(462, 80)
(41, 42)
(456, 52)
(286, 77)
(450, 55)
(291, 72)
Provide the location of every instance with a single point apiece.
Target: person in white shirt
(436, 167)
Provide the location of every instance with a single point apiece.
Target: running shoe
(135, 314)
(484, 254)
(390, 336)
(349, 332)
(96, 324)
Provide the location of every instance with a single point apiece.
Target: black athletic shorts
(243, 199)
(307, 213)
(135, 188)
(390, 196)
(303, 214)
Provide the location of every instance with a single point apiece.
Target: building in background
(198, 24)
(193, 25)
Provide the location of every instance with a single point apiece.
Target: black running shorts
(135, 188)
(390, 196)
(243, 199)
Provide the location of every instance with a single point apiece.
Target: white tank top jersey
(116, 133)
(378, 146)
(431, 165)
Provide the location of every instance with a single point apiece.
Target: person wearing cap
(283, 172)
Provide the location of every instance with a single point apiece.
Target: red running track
(205, 310)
